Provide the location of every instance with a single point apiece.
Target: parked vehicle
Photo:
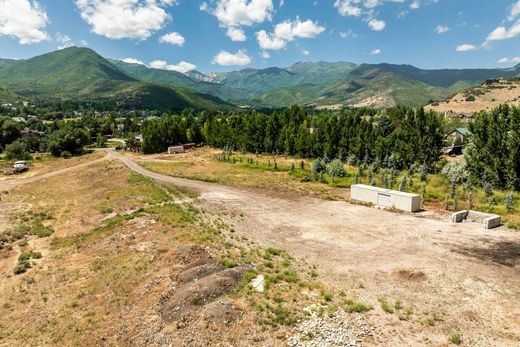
(20, 166)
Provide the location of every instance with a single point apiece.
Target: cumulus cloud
(119, 19)
(504, 33)
(515, 11)
(376, 24)
(514, 60)
(225, 58)
(363, 8)
(173, 38)
(466, 48)
(236, 34)
(376, 51)
(132, 61)
(288, 31)
(233, 14)
(441, 29)
(306, 52)
(23, 19)
(348, 7)
(64, 41)
(181, 67)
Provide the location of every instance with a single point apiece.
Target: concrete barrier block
(459, 217)
(492, 222)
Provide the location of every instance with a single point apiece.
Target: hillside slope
(82, 74)
(177, 79)
(486, 96)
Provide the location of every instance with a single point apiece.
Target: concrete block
(492, 222)
(385, 198)
(459, 217)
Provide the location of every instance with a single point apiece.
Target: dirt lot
(424, 277)
(460, 276)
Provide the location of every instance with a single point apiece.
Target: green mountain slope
(445, 78)
(177, 79)
(7, 96)
(320, 72)
(370, 88)
(254, 80)
(82, 74)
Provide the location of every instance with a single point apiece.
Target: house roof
(463, 131)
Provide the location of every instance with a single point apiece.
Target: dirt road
(15, 181)
(453, 272)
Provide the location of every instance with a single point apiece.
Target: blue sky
(223, 35)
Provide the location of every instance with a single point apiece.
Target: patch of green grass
(385, 305)
(455, 337)
(24, 263)
(356, 306)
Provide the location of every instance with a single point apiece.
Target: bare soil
(124, 287)
(455, 276)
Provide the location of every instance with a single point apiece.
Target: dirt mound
(410, 275)
(200, 281)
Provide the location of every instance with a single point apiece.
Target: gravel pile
(342, 329)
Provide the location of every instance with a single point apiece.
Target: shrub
(66, 154)
(455, 338)
(456, 171)
(319, 166)
(17, 151)
(336, 169)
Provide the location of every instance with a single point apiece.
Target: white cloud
(243, 12)
(515, 11)
(232, 14)
(24, 20)
(173, 38)
(441, 29)
(132, 61)
(415, 5)
(181, 67)
(265, 55)
(288, 31)
(203, 6)
(64, 41)
(119, 19)
(348, 34)
(376, 51)
(225, 58)
(348, 7)
(503, 33)
(515, 60)
(236, 34)
(466, 48)
(306, 52)
(376, 24)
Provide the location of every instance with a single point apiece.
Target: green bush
(17, 151)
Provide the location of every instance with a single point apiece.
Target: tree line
(398, 138)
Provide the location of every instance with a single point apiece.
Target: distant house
(458, 136)
(455, 140)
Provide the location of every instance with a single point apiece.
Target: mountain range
(83, 75)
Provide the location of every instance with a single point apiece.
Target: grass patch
(24, 263)
(356, 306)
(455, 337)
(385, 305)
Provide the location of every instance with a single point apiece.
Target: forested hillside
(81, 74)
